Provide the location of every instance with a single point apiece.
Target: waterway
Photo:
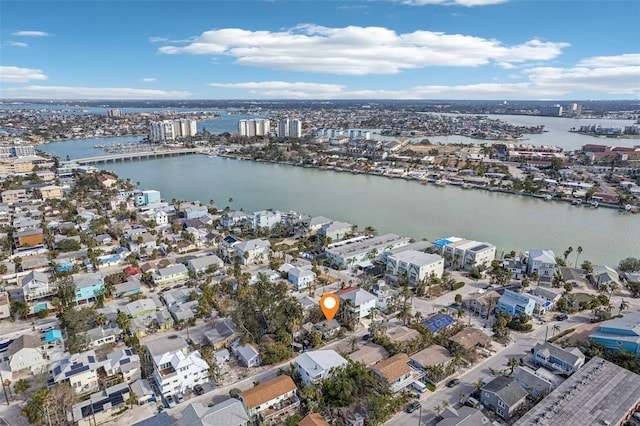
(390, 205)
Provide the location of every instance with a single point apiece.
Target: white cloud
(356, 50)
(611, 61)
(157, 39)
(65, 92)
(467, 3)
(539, 83)
(149, 79)
(31, 34)
(20, 75)
(17, 44)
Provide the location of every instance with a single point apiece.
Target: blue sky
(320, 49)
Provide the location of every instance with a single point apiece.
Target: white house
(335, 231)
(26, 353)
(300, 277)
(356, 302)
(416, 265)
(345, 254)
(316, 366)
(125, 363)
(247, 355)
(265, 219)
(466, 254)
(79, 370)
(161, 217)
(201, 264)
(253, 251)
(175, 370)
(542, 262)
(36, 285)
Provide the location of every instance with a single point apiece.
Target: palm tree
(353, 341)
(512, 364)
(578, 252)
(623, 305)
(555, 328)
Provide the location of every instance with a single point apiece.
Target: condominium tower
(289, 128)
(169, 130)
(254, 127)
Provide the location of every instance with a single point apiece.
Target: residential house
(171, 275)
(101, 406)
(383, 295)
(142, 244)
(396, 371)
(265, 219)
(469, 339)
(26, 353)
(515, 303)
(248, 355)
(143, 391)
(103, 335)
(229, 412)
(561, 360)
(224, 331)
(438, 321)
(28, 240)
(315, 366)
(369, 354)
(124, 364)
(503, 396)
(464, 253)
(348, 253)
(619, 334)
(328, 329)
(402, 335)
(301, 277)
(5, 305)
(50, 191)
(414, 266)
(79, 370)
(175, 369)
(605, 277)
(195, 212)
(36, 285)
(107, 180)
(463, 416)
(141, 307)
(88, 287)
(335, 231)
(13, 196)
(231, 219)
(543, 263)
(538, 382)
(313, 419)
(271, 400)
(201, 265)
(313, 224)
(253, 251)
(550, 294)
(355, 303)
(482, 303)
(432, 356)
(161, 217)
(131, 286)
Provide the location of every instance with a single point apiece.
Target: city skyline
(386, 49)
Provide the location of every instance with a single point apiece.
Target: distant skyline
(320, 49)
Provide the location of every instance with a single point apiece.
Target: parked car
(199, 390)
(452, 383)
(562, 317)
(366, 337)
(413, 407)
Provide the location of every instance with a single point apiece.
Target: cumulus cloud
(66, 92)
(538, 83)
(149, 79)
(467, 3)
(20, 75)
(611, 61)
(31, 34)
(356, 50)
(17, 44)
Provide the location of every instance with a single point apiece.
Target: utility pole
(420, 416)
(4, 388)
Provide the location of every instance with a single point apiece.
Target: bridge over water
(142, 155)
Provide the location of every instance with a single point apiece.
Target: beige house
(271, 400)
(50, 191)
(396, 371)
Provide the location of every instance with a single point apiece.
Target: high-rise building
(254, 127)
(289, 128)
(114, 113)
(169, 130)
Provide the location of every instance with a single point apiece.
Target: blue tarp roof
(441, 243)
(52, 336)
(438, 321)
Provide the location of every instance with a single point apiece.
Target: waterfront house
(88, 287)
(171, 275)
(541, 262)
(175, 369)
(79, 370)
(619, 334)
(563, 361)
(313, 224)
(348, 253)
(465, 254)
(315, 366)
(414, 266)
(335, 231)
(515, 304)
(355, 303)
(503, 396)
(229, 412)
(231, 219)
(605, 277)
(271, 400)
(265, 219)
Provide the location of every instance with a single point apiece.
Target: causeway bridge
(142, 155)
